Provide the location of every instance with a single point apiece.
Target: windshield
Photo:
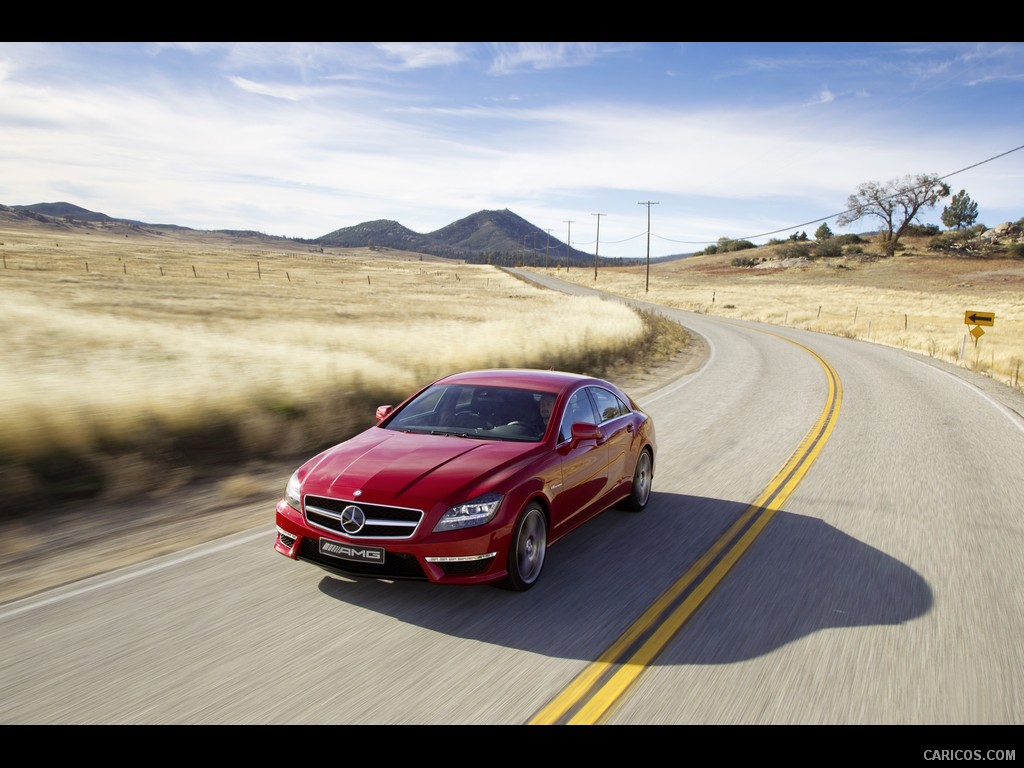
(473, 410)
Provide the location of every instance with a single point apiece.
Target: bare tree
(897, 203)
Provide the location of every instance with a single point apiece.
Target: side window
(609, 406)
(577, 409)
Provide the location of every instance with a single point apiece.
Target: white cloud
(824, 96)
(300, 140)
(421, 55)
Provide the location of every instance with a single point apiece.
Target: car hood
(391, 467)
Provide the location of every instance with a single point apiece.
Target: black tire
(527, 549)
(640, 488)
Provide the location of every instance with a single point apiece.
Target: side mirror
(383, 411)
(584, 431)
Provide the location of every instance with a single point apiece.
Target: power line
(796, 226)
(989, 160)
(848, 210)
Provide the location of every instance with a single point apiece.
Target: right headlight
(470, 513)
(293, 492)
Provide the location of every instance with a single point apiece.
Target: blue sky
(739, 140)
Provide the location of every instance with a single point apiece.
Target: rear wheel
(640, 492)
(527, 549)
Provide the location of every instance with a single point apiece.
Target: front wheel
(527, 549)
(640, 491)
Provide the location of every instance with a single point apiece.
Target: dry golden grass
(915, 300)
(128, 351)
(138, 360)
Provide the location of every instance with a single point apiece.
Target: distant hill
(488, 237)
(498, 232)
(495, 237)
(63, 211)
(382, 233)
(63, 214)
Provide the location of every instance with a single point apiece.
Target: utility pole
(647, 285)
(568, 246)
(597, 243)
(547, 252)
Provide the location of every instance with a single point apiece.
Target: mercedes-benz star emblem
(352, 519)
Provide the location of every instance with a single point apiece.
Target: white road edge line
(1014, 418)
(129, 572)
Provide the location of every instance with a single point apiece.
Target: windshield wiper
(457, 434)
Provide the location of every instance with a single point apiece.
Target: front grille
(381, 522)
(395, 566)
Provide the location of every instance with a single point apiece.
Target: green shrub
(794, 250)
(65, 475)
(726, 246)
(850, 239)
(743, 261)
(828, 248)
(951, 238)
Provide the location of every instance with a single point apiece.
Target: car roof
(554, 381)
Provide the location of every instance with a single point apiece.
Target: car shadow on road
(800, 576)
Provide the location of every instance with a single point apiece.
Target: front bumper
(470, 556)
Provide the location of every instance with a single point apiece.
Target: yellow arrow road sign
(972, 317)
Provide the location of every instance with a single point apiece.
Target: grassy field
(137, 359)
(916, 300)
(131, 356)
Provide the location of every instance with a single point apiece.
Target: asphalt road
(881, 581)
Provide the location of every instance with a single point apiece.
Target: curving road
(879, 580)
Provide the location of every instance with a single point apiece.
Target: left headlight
(470, 513)
(293, 492)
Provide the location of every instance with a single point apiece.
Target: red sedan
(470, 479)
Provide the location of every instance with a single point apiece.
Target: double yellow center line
(590, 697)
